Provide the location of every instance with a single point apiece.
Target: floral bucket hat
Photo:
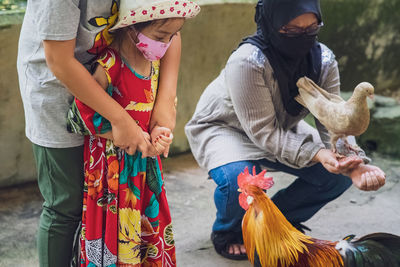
(135, 11)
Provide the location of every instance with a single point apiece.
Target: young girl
(126, 219)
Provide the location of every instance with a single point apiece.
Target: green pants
(60, 179)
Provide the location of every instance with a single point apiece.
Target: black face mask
(293, 47)
(289, 57)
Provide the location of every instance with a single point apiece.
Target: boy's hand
(161, 139)
(130, 137)
(149, 150)
(107, 135)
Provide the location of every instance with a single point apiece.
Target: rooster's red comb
(259, 180)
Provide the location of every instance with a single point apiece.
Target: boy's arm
(164, 112)
(62, 62)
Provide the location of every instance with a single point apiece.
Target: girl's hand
(162, 143)
(161, 139)
(368, 177)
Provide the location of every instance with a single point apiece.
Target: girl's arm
(100, 76)
(62, 62)
(163, 117)
(164, 112)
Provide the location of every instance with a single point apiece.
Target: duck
(340, 117)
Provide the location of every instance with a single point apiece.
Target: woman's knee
(329, 183)
(226, 179)
(336, 185)
(227, 174)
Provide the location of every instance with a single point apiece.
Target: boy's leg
(60, 179)
(312, 190)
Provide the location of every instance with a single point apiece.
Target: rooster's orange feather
(277, 243)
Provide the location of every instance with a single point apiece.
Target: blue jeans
(313, 188)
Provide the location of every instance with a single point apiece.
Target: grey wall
(16, 162)
(207, 40)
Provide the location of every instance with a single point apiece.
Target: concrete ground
(190, 197)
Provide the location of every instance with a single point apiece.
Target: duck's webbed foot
(348, 146)
(334, 148)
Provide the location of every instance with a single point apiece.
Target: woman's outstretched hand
(328, 159)
(334, 165)
(364, 177)
(348, 164)
(367, 177)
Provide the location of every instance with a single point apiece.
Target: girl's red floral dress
(126, 219)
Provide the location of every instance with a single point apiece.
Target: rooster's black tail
(373, 250)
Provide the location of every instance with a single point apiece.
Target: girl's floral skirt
(126, 219)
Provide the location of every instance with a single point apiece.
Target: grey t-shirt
(46, 101)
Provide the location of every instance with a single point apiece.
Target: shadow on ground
(190, 197)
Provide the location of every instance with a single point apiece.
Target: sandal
(221, 242)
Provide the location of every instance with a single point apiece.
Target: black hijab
(290, 57)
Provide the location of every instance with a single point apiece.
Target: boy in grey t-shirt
(59, 40)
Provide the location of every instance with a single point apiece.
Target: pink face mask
(151, 49)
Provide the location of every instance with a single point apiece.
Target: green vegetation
(11, 4)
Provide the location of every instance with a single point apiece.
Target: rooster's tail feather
(377, 249)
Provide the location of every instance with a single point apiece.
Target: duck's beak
(372, 97)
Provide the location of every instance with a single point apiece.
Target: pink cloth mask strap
(151, 49)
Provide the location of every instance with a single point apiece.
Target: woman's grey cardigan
(240, 115)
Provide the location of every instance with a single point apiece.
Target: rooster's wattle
(270, 240)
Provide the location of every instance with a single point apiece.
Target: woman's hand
(348, 164)
(161, 139)
(330, 161)
(368, 177)
(364, 177)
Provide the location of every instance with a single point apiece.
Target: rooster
(271, 241)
